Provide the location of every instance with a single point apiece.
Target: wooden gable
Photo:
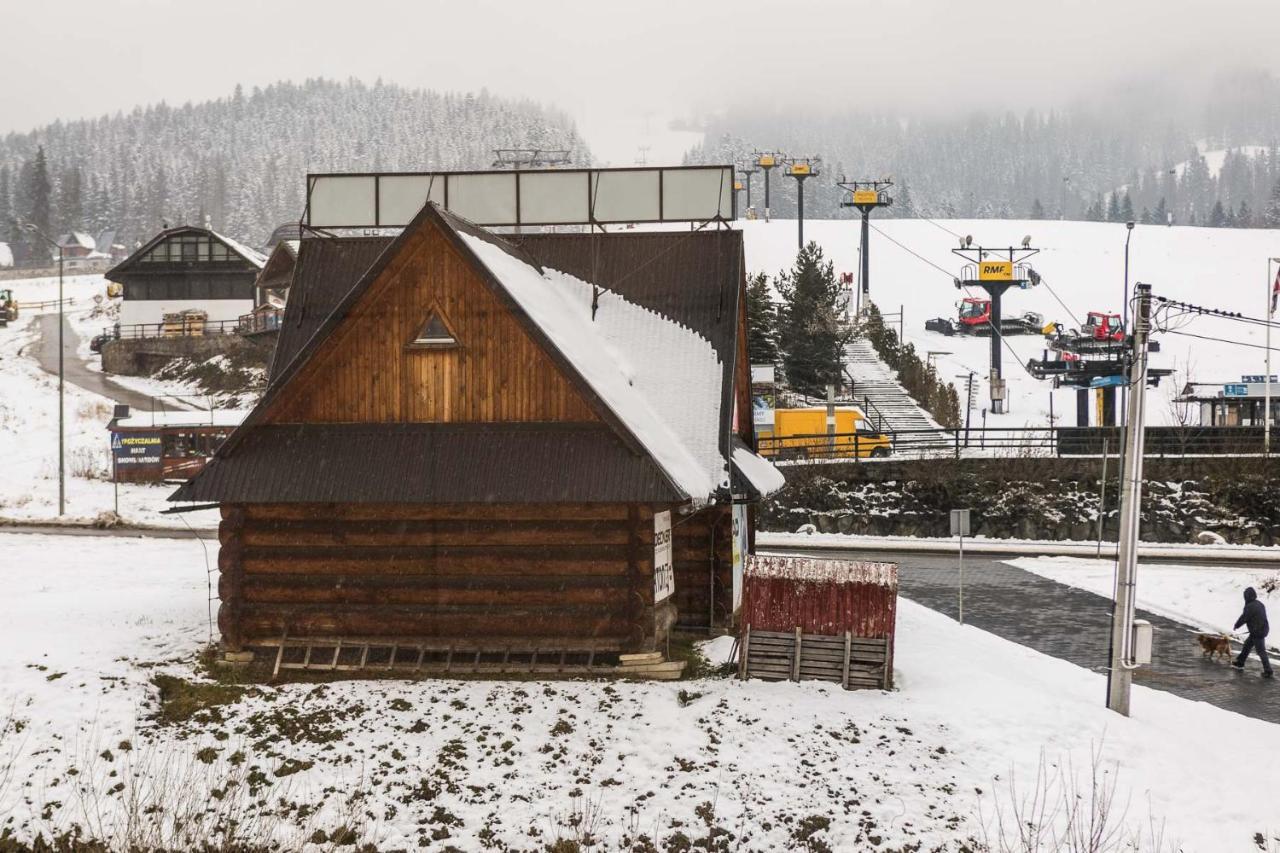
(373, 369)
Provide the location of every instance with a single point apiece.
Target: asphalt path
(1069, 623)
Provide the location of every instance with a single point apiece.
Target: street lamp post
(1125, 308)
(1266, 378)
(62, 467)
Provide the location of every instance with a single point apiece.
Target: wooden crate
(852, 662)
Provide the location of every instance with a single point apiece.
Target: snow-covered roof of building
(182, 418)
(253, 256)
(822, 570)
(658, 377)
(77, 238)
(758, 472)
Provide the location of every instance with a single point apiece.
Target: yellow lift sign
(995, 270)
(866, 197)
(800, 169)
(766, 161)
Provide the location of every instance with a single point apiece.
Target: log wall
(483, 576)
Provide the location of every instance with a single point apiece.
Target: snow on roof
(77, 238)
(193, 417)
(253, 256)
(658, 377)
(759, 471)
(822, 570)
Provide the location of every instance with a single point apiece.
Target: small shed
(806, 617)
(152, 447)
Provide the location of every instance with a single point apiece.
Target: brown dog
(1215, 646)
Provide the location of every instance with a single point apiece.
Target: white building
(187, 268)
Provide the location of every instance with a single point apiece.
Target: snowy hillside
(1083, 263)
(241, 160)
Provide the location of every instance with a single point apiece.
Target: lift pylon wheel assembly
(747, 170)
(866, 196)
(995, 271)
(802, 168)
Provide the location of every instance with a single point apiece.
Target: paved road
(1072, 624)
(75, 370)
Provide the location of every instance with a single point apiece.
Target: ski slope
(1083, 263)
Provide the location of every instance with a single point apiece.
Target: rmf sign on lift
(995, 271)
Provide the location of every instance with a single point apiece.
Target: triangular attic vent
(434, 333)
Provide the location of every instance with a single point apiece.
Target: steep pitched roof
(252, 256)
(661, 384)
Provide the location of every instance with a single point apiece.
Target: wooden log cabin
(469, 441)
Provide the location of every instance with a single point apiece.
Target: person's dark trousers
(1259, 645)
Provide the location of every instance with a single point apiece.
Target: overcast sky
(623, 69)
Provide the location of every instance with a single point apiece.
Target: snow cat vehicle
(8, 307)
(974, 318)
(1101, 334)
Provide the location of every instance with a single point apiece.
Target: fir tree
(1146, 216)
(1113, 208)
(1217, 216)
(1244, 216)
(903, 207)
(762, 321)
(1037, 210)
(810, 332)
(1271, 213)
(1160, 215)
(70, 201)
(1126, 208)
(37, 192)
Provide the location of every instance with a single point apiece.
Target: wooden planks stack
(852, 662)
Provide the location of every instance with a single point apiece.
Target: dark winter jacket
(1254, 615)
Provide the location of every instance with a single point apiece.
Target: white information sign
(664, 573)
(739, 551)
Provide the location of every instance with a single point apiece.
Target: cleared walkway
(76, 371)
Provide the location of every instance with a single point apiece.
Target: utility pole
(747, 171)
(766, 160)
(866, 196)
(802, 168)
(1122, 664)
(62, 428)
(1124, 304)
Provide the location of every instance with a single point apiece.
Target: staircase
(891, 409)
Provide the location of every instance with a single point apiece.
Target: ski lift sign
(136, 448)
(664, 574)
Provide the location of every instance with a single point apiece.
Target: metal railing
(48, 303)
(1010, 442)
(260, 321)
(183, 329)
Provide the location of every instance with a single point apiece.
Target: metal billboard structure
(525, 197)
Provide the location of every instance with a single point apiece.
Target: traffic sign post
(960, 527)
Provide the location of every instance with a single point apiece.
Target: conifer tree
(37, 192)
(811, 333)
(1271, 213)
(1037, 210)
(762, 322)
(1160, 215)
(1126, 208)
(1217, 216)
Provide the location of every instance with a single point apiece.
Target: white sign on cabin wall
(739, 550)
(664, 573)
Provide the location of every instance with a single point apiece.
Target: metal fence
(178, 329)
(1010, 442)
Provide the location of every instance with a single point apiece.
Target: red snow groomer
(1102, 333)
(974, 318)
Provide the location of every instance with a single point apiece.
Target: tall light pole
(62, 432)
(1124, 305)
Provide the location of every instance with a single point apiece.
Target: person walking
(1254, 618)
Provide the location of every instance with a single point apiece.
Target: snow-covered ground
(86, 624)
(1209, 598)
(1083, 263)
(29, 426)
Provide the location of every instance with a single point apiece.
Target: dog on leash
(1212, 646)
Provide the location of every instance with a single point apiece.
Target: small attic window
(434, 333)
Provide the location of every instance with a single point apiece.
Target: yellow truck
(802, 434)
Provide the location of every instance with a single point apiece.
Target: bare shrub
(1061, 812)
(87, 464)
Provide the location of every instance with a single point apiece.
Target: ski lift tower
(747, 170)
(802, 168)
(530, 158)
(766, 161)
(995, 271)
(866, 196)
